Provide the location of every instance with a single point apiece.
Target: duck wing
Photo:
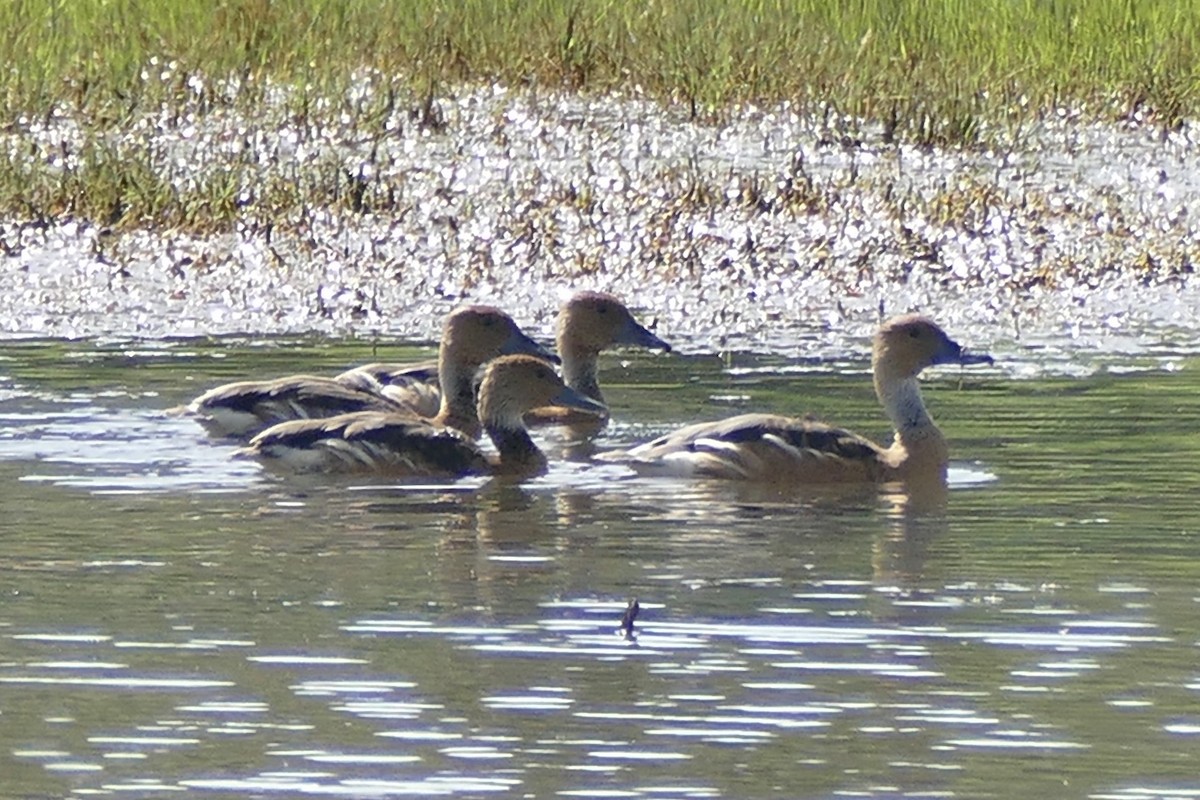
(762, 447)
(247, 407)
(410, 386)
(380, 442)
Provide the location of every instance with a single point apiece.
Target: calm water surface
(175, 623)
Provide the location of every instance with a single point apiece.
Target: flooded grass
(763, 231)
(286, 167)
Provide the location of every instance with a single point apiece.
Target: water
(174, 623)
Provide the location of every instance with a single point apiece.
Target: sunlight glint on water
(176, 622)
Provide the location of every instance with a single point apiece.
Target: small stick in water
(627, 619)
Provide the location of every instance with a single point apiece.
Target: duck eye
(914, 333)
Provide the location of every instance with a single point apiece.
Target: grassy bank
(99, 96)
(935, 69)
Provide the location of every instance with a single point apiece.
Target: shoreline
(764, 232)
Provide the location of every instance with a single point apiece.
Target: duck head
(907, 344)
(476, 334)
(593, 321)
(512, 385)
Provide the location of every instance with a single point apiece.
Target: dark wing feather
(307, 395)
(389, 373)
(762, 447)
(370, 441)
(409, 386)
(803, 434)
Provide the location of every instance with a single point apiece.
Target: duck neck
(518, 455)
(458, 397)
(580, 367)
(919, 449)
(901, 399)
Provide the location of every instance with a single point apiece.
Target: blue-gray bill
(569, 398)
(520, 344)
(634, 334)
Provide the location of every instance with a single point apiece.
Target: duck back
(385, 443)
(763, 447)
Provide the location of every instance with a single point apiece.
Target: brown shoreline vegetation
(851, 148)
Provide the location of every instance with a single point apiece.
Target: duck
(781, 449)
(241, 409)
(404, 445)
(413, 385)
(471, 335)
(588, 323)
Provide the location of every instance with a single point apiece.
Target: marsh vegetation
(933, 70)
(333, 162)
(949, 72)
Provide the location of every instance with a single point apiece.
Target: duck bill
(965, 358)
(569, 398)
(953, 353)
(518, 344)
(633, 334)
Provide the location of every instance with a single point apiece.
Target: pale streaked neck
(499, 413)
(506, 428)
(901, 399)
(580, 368)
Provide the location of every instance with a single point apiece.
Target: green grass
(935, 68)
(935, 72)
